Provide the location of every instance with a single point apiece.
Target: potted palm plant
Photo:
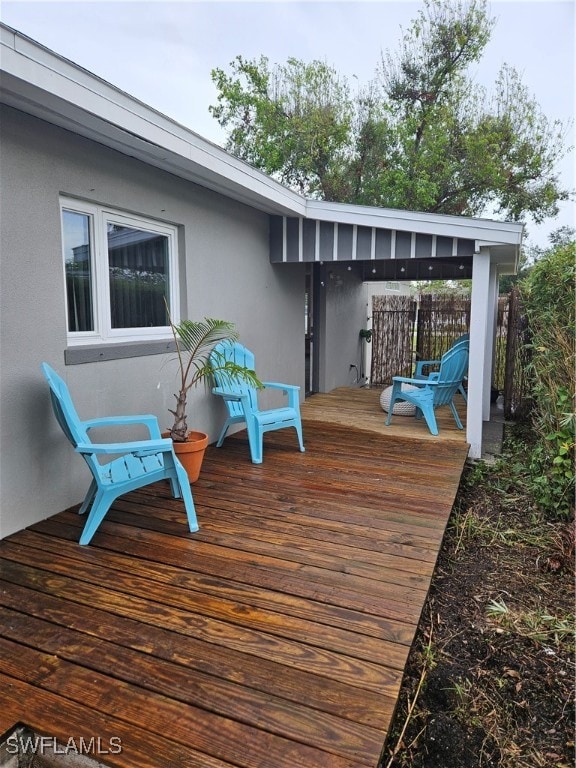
(194, 342)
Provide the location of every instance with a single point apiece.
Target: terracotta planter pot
(191, 453)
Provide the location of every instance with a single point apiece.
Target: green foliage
(421, 136)
(292, 121)
(459, 289)
(195, 341)
(548, 293)
(539, 625)
(552, 470)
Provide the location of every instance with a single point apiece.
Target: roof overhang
(41, 83)
(37, 81)
(500, 240)
(484, 231)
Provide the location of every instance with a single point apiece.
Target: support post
(492, 324)
(480, 363)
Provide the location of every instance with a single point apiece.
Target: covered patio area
(360, 408)
(347, 245)
(275, 637)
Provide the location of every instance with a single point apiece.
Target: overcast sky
(163, 52)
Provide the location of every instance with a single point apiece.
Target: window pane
(78, 265)
(138, 268)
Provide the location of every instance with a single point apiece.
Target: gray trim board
(98, 353)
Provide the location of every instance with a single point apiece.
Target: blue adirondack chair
(464, 341)
(438, 389)
(138, 463)
(242, 400)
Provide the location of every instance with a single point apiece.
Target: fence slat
(393, 319)
(441, 320)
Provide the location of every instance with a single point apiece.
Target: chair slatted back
(233, 351)
(67, 416)
(64, 409)
(452, 369)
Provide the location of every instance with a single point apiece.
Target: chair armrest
(147, 419)
(140, 447)
(226, 394)
(415, 382)
(290, 389)
(276, 385)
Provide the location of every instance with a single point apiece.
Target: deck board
(276, 636)
(361, 408)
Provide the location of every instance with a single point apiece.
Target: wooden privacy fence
(499, 372)
(404, 329)
(441, 320)
(393, 319)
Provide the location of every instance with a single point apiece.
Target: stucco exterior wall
(224, 272)
(342, 316)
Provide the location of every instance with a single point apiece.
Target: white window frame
(99, 217)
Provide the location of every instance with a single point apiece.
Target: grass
(539, 625)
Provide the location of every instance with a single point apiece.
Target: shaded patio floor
(276, 637)
(360, 407)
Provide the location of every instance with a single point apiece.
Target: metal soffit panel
(294, 240)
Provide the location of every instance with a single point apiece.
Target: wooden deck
(358, 407)
(276, 637)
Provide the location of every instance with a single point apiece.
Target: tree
(293, 121)
(420, 136)
(420, 97)
(532, 254)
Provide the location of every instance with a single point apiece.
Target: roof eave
(486, 232)
(39, 82)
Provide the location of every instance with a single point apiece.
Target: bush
(548, 293)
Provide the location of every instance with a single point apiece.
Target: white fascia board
(46, 79)
(484, 231)
(69, 117)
